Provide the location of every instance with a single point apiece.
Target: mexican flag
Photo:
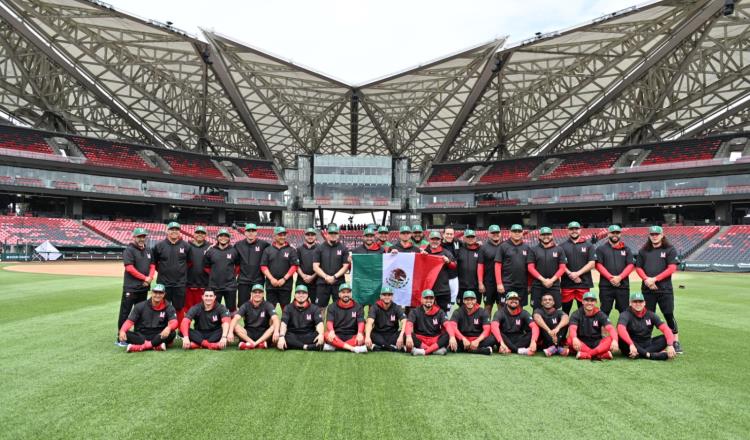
(407, 274)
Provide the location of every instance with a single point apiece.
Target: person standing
(250, 250)
(510, 266)
(441, 286)
(467, 259)
(222, 262)
(581, 259)
(139, 272)
(279, 264)
(546, 264)
(305, 274)
(614, 262)
(197, 278)
(171, 257)
(488, 286)
(331, 261)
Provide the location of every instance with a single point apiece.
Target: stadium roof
(668, 69)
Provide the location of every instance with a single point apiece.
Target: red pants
(193, 296)
(569, 295)
(600, 349)
(338, 343)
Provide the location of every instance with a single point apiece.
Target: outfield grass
(62, 377)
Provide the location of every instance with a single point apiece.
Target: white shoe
(360, 349)
(418, 352)
(328, 347)
(523, 351)
(129, 348)
(440, 351)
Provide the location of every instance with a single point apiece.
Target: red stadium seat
(61, 232)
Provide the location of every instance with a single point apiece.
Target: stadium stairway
(695, 255)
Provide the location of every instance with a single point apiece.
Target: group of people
(194, 278)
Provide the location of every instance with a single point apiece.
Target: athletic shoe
(563, 351)
(581, 355)
(263, 345)
(523, 351)
(550, 351)
(606, 356)
(484, 350)
(440, 351)
(194, 346)
(376, 347)
(133, 348)
(244, 346)
(161, 347)
(661, 356)
(328, 347)
(392, 348)
(678, 347)
(120, 343)
(360, 349)
(418, 352)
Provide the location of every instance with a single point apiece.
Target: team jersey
(345, 318)
(171, 262)
(386, 320)
(428, 323)
(409, 247)
(513, 259)
(513, 324)
(547, 261)
(471, 323)
(222, 263)
(589, 327)
(614, 259)
(331, 258)
(279, 260)
(467, 259)
(487, 255)
(306, 256)
(257, 316)
(578, 254)
(208, 320)
(250, 254)
(301, 320)
(364, 249)
(654, 261)
(640, 328)
(141, 260)
(551, 319)
(441, 287)
(196, 276)
(150, 319)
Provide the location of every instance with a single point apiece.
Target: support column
(219, 216)
(161, 212)
(618, 215)
(276, 217)
(74, 208)
(722, 213)
(481, 222)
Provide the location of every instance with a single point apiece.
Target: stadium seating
(21, 139)
(447, 172)
(685, 238)
(737, 189)
(682, 151)
(29, 181)
(584, 164)
(73, 186)
(498, 202)
(108, 154)
(685, 192)
(508, 171)
(191, 165)
(257, 169)
(731, 247)
(211, 232)
(121, 232)
(60, 232)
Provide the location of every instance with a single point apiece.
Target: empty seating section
(732, 247)
(209, 198)
(737, 189)
(683, 151)
(685, 238)
(584, 164)
(122, 232)
(685, 192)
(498, 202)
(257, 169)
(191, 165)
(23, 140)
(73, 186)
(447, 172)
(60, 232)
(108, 154)
(29, 181)
(509, 171)
(212, 231)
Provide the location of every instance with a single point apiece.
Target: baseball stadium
(540, 236)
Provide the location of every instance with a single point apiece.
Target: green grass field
(62, 377)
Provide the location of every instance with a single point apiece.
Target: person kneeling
(426, 323)
(211, 324)
(345, 322)
(154, 320)
(635, 327)
(469, 327)
(301, 324)
(585, 331)
(261, 322)
(384, 320)
(514, 329)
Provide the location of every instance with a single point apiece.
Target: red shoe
(583, 356)
(606, 356)
(194, 346)
(213, 346)
(161, 347)
(147, 346)
(245, 346)
(263, 345)
(134, 348)
(565, 352)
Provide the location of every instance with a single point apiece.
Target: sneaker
(194, 346)
(440, 351)
(360, 349)
(563, 351)
(678, 347)
(263, 345)
(418, 352)
(120, 343)
(581, 355)
(132, 348)
(328, 347)
(243, 346)
(161, 347)
(550, 351)
(606, 356)
(523, 351)
(485, 350)
(392, 348)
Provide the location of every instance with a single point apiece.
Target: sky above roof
(359, 40)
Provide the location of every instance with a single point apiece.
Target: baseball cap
(158, 288)
(470, 233)
(257, 287)
(545, 230)
(369, 231)
(589, 295)
(516, 227)
(655, 230)
(386, 291)
(614, 228)
(470, 294)
(404, 228)
(572, 225)
(223, 232)
(383, 229)
(279, 230)
(301, 288)
(637, 296)
(333, 229)
(310, 231)
(345, 286)
(509, 295)
(173, 225)
(200, 229)
(428, 293)
(139, 231)
(435, 234)
(251, 227)
(417, 228)
(494, 228)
